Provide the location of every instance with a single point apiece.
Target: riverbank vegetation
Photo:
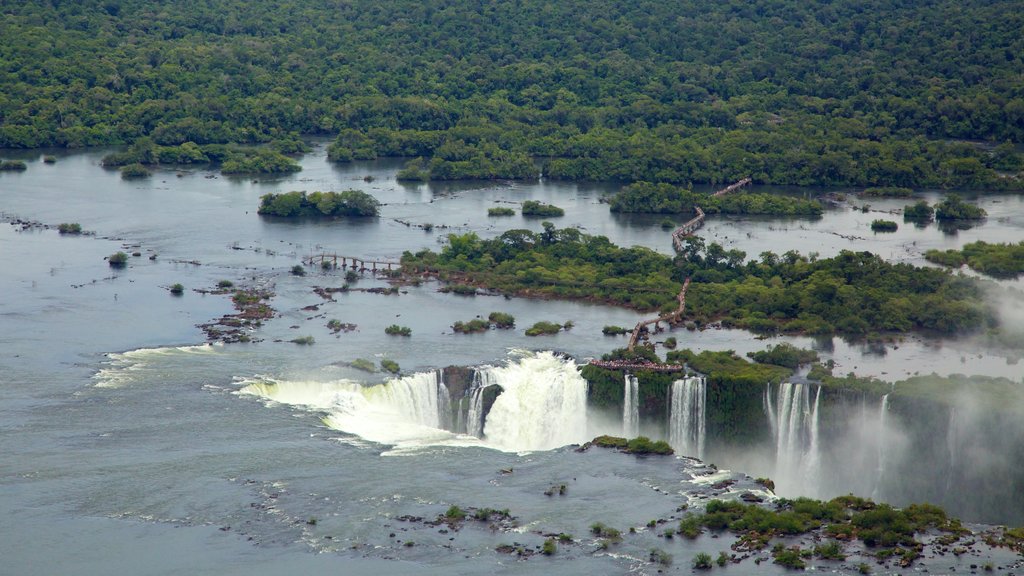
(888, 192)
(996, 260)
(803, 93)
(646, 197)
(351, 203)
(232, 159)
(854, 294)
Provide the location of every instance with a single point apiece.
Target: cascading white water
(882, 443)
(444, 403)
(407, 409)
(631, 407)
(543, 405)
(482, 378)
(794, 423)
(686, 422)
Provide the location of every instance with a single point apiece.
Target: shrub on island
(534, 208)
(352, 203)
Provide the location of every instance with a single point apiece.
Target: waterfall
(409, 409)
(686, 422)
(794, 423)
(483, 378)
(631, 408)
(444, 403)
(543, 405)
(882, 443)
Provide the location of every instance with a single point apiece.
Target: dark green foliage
(790, 558)
(540, 209)
(501, 212)
(72, 228)
(396, 330)
(670, 342)
(134, 171)
(291, 144)
(601, 530)
(951, 258)
(722, 559)
(13, 166)
(659, 556)
(472, 326)
(543, 327)
(298, 270)
(460, 289)
(853, 293)
(262, 161)
(557, 262)
(883, 226)
(459, 159)
(997, 260)
(304, 340)
(954, 208)
(814, 93)
(502, 320)
(644, 445)
(610, 442)
(614, 330)
(550, 547)
(920, 212)
(224, 284)
(363, 364)
(830, 550)
(690, 526)
(667, 199)
(352, 203)
(49, 159)
(389, 366)
(888, 192)
(455, 513)
(177, 289)
(702, 561)
(117, 260)
(726, 366)
(785, 355)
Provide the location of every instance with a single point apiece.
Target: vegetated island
(1004, 261)
(647, 197)
(350, 203)
(233, 159)
(855, 294)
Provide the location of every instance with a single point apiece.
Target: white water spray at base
(631, 407)
(794, 422)
(686, 424)
(543, 405)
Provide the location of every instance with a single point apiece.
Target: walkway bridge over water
(678, 235)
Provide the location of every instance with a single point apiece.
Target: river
(130, 445)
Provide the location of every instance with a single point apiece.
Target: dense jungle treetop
(870, 92)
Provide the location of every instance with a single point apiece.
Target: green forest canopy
(875, 93)
(854, 293)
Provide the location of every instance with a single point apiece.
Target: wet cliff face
(899, 448)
